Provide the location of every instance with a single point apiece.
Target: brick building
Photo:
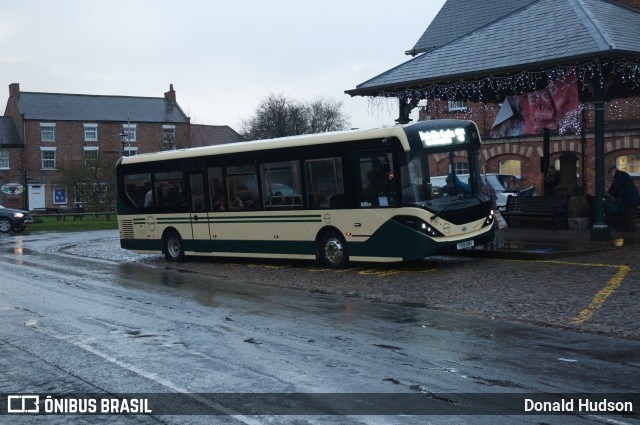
(47, 137)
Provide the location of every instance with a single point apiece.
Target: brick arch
(493, 151)
(622, 143)
(563, 146)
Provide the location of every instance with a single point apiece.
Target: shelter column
(600, 230)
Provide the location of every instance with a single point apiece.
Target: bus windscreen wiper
(438, 213)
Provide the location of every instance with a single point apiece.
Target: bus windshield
(428, 176)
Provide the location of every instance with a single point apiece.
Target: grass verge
(51, 224)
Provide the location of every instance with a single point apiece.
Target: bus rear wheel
(172, 246)
(333, 250)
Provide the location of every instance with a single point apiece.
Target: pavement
(527, 243)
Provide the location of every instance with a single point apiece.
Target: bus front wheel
(333, 250)
(173, 246)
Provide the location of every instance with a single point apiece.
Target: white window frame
(90, 132)
(4, 159)
(47, 128)
(43, 159)
(130, 151)
(131, 130)
(168, 130)
(95, 159)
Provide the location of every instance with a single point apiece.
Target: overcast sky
(222, 57)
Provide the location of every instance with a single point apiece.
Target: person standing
(551, 181)
(622, 186)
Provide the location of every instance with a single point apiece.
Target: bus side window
(242, 188)
(281, 185)
(323, 178)
(377, 180)
(136, 188)
(216, 190)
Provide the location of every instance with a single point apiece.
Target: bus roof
(283, 142)
(402, 132)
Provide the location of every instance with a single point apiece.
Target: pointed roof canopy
(519, 51)
(463, 16)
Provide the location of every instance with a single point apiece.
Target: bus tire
(332, 250)
(173, 246)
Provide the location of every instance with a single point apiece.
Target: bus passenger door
(199, 216)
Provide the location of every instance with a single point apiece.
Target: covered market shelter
(486, 50)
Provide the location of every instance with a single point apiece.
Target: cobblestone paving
(594, 293)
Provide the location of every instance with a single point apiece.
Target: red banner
(544, 108)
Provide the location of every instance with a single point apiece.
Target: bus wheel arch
(172, 245)
(331, 248)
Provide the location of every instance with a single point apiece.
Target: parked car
(502, 185)
(15, 220)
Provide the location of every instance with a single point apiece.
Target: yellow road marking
(602, 295)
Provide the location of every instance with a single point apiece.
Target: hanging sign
(12, 189)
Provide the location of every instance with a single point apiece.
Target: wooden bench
(554, 208)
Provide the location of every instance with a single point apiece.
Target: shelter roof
(80, 107)
(541, 34)
(458, 18)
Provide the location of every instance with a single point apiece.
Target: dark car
(15, 220)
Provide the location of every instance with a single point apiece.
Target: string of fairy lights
(598, 70)
(523, 82)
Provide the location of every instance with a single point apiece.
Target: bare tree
(326, 115)
(92, 181)
(280, 116)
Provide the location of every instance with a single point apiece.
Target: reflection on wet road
(135, 327)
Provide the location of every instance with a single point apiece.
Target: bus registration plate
(466, 244)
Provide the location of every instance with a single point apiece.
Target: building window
(511, 166)
(462, 167)
(48, 156)
(91, 132)
(130, 131)
(4, 159)
(169, 135)
(91, 157)
(48, 132)
(629, 164)
(129, 151)
(457, 105)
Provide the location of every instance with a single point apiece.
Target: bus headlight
(489, 220)
(417, 224)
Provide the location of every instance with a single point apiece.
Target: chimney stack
(171, 94)
(14, 90)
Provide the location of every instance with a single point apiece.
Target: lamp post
(124, 138)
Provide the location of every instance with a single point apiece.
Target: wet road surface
(87, 325)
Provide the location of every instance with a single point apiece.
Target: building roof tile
(78, 107)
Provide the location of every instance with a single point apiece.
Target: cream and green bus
(360, 195)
